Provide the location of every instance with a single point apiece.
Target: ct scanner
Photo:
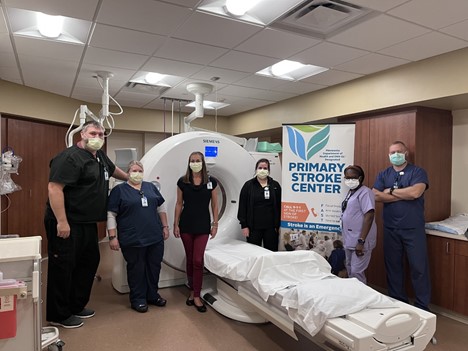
(233, 285)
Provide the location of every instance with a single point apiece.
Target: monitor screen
(211, 151)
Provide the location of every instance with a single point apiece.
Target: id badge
(144, 201)
(267, 194)
(209, 185)
(106, 175)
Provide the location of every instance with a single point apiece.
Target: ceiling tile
(224, 75)
(7, 59)
(126, 40)
(332, 77)
(172, 67)
(328, 55)
(199, 53)
(48, 49)
(256, 81)
(54, 75)
(87, 71)
(298, 87)
(244, 62)
(3, 26)
(87, 81)
(114, 58)
(5, 44)
(433, 13)
(219, 32)
(431, 44)
(378, 33)
(185, 3)
(275, 43)
(459, 30)
(255, 93)
(139, 98)
(149, 16)
(378, 5)
(371, 63)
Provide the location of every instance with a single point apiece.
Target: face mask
(262, 173)
(136, 177)
(397, 159)
(196, 166)
(94, 143)
(351, 183)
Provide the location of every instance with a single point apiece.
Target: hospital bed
(241, 285)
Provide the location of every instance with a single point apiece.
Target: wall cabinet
(441, 261)
(428, 134)
(449, 263)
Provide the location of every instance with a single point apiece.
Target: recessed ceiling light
(240, 7)
(291, 70)
(210, 105)
(38, 25)
(253, 11)
(153, 78)
(49, 26)
(284, 67)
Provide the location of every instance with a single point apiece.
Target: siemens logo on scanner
(211, 141)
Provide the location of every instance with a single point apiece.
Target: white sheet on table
(454, 225)
(268, 271)
(312, 303)
(279, 270)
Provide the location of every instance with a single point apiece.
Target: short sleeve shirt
(86, 183)
(359, 203)
(195, 217)
(403, 214)
(137, 225)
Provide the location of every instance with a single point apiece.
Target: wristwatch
(391, 191)
(361, 241)
(112, 237)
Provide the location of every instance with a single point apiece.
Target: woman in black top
(259, 211)
(192, 221)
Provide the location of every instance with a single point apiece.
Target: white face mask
(262, 173)
(136, 177)
(94, 143)
(351, 183)
(196, 166)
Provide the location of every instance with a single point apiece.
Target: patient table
(254, 285)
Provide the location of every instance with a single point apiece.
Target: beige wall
(460, 162)
(19, 100)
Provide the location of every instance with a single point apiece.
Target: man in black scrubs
(78, 188)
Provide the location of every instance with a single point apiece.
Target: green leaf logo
(320, 137)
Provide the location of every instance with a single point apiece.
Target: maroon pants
(194, 245)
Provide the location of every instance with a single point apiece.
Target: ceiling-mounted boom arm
(199, 89)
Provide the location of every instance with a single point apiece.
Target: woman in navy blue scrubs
(137, 224)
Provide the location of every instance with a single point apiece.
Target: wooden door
(441, 261)
(36, 143)
(4, 199)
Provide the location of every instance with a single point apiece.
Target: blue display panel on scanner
(211, 151)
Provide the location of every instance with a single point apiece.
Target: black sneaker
(69, 323)
(85, 313)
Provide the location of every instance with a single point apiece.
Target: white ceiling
(173, 37)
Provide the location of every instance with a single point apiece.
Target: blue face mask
(397, 158)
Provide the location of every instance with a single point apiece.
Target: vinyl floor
(177, 327)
